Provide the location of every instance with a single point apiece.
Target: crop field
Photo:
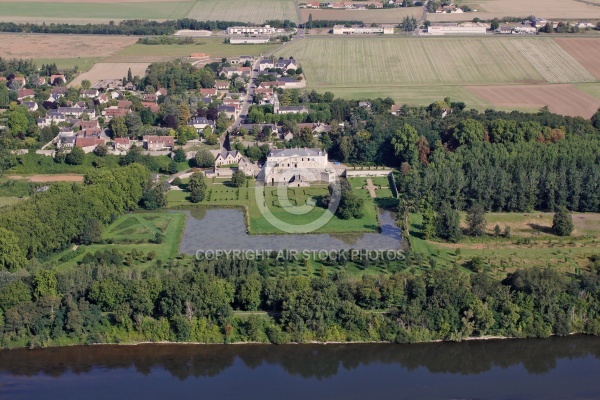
(488, 9)
(387, 16)
(110, 71)
(586, 51)
(257, 11)
(101, 9)
(477, 70)
(552, 62)
(391, 61)
(141, 53)
(560, 99)
(53, 47)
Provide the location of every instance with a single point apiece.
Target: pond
(555, 368)
(224, 228)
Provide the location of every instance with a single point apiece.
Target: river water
(224, 229)
(555, 368)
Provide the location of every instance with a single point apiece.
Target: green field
(221, 193)
(213, 46)
(136, 231)
(531, 243)
(8, 201)
(256, 11)
(117, 10)
(83, 63)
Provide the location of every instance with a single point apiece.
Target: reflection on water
(213, 229)
(545, 369)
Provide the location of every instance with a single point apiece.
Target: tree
(12, 257)
(429, 217)
(86, 84)
(172, 168)
(351, 206)
(562, 223)
(254, 153)
(118, 127)
(186, 133)
(92, 231)
(238, 178)
(154, 196)
(448, 223)
(197, 187)
(76, 156)
(495, 24)
(101, 150)
(17, 120)
(476, 220)
(4, 99)
(310, 21)
(129, 75)
(405, 142)
(469, 131)
(204, 158)
(179, 155)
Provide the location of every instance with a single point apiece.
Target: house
(208, 91)
(229, 111)
(247, 167)
(297, 167)
(265, 64)
(161, 92)
(23, 94)
(57, 79)
(201, 122)
(222, 85)
(86, 133)
(287, 136)
(539, 22)
(241, 71)
(89, 93)
(277, 109)
(66, 141)
(206, 100)
(124, 104)
(272, 128)
(76, 111)
(364, 104)
(83, 125)
(312, 4)
(471, 28)
(152, 106)
(286, 64)
(149, 97)
(20, 79)
(395, 109)
(154, 143)
(227, 158)
(102, 99)
(31, 105)
(112, 112)
(122, 144)
(88, 143)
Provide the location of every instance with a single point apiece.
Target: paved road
(421, 21)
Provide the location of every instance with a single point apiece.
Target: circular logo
(284, 175)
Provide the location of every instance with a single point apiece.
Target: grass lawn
(136, 231)
(83, 63)
(213, 46)
(14, 187)
(531, 243)
(220, 192)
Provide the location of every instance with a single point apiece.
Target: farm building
(363, 30)
(251, 30)
(249, 40)
(471, 28)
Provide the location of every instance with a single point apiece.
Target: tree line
(133, 27)
(99, 303)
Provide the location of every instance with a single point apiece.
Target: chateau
(297, 167)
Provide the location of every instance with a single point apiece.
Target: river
(555, 368)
